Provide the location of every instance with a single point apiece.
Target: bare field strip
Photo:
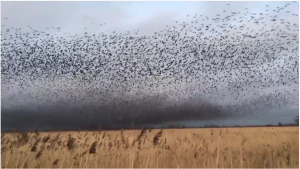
(264, 147)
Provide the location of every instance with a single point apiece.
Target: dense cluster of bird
(243, 62)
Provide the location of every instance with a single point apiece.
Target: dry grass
(276, 147)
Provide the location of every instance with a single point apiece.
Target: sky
(146, 16)
(67, 19)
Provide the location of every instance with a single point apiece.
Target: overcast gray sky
(146, 18)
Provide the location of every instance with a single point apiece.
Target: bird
(221, 67)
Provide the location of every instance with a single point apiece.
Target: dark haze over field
(136, 64)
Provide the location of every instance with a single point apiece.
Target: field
(262, 147)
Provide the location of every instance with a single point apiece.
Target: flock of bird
(230, 63)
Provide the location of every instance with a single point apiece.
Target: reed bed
(263, 147)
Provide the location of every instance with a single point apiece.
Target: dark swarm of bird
(189, 70)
